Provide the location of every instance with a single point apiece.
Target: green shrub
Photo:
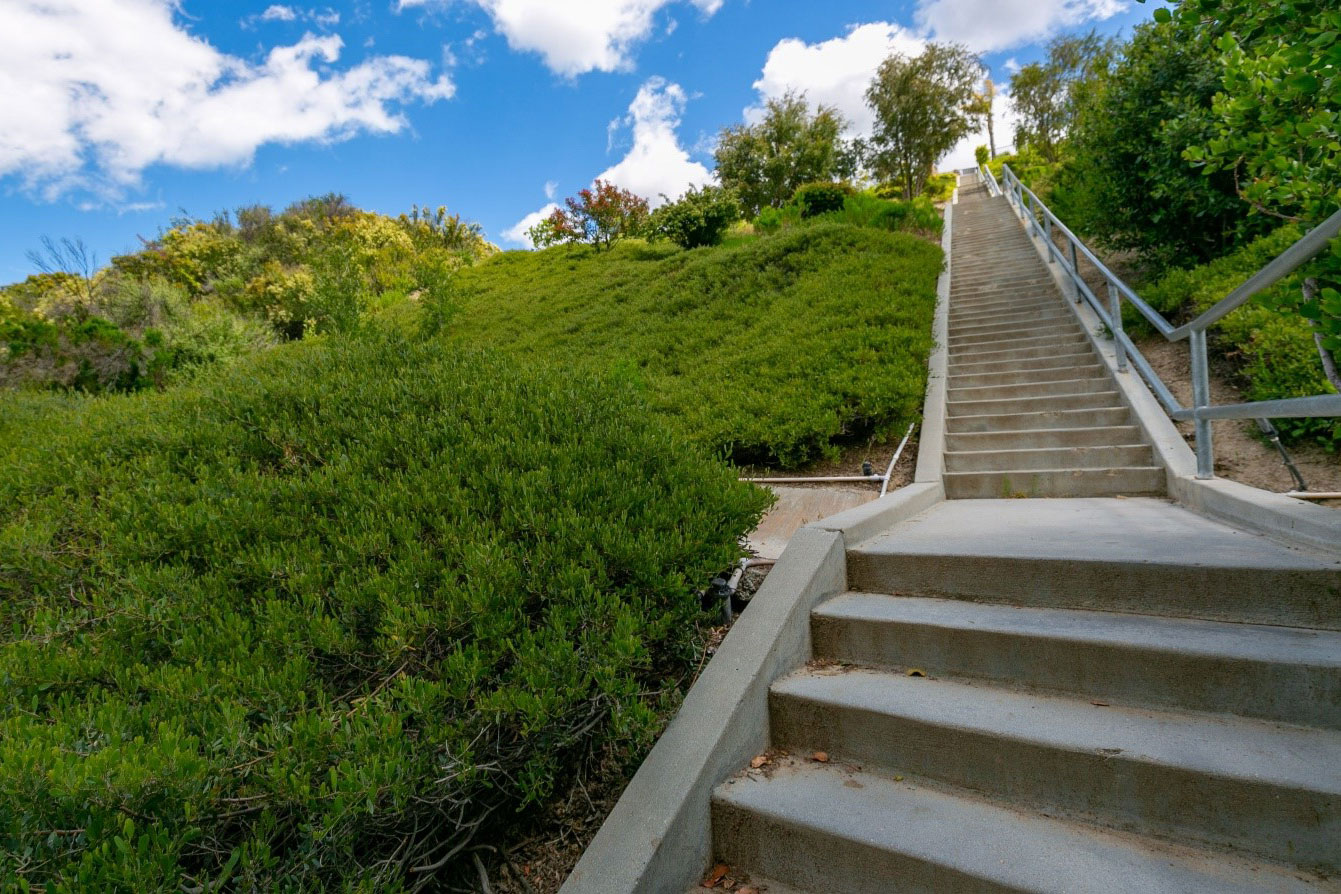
(941, 187)
(1270, 344)
(315, 621)
(775, 350)
(814, 199)
(981, 155)
(698, 218)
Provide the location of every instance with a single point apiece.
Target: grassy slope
(770, 350)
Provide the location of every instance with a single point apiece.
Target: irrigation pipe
(883, 479)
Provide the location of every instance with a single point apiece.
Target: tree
(923, 106)
(1128, 141)
(764, 163)
(1048, 95)
(700, 217)
(1277, 122)
(599, 216)
(982, 108)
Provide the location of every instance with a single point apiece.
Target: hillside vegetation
(771, 350)
(324, 619)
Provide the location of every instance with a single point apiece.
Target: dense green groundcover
(314, 622)
(772, 350)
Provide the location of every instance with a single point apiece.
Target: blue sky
(118, 115)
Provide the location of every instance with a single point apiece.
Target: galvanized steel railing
(1042, 222)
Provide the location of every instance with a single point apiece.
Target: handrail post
(1047, 228)
(1115, 312)
(1201, 399)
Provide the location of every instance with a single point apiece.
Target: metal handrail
(993, 188)
(1042, 222)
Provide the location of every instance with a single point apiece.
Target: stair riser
(1050, 458)
(1094, 400)
(967, 367)
(1044, 438)
(1297, 825)
(1006, 301)
(1139, 676)
(1133, 482)
(1010, 390)
(1011, 310)
(1010, 323)
(1294, 598)
(1053, 348)
(1014, 422)
(1007, 337)
(1030, 377)
(818, 863)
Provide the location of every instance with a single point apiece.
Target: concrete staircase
(1032, 410)
(1086, 695)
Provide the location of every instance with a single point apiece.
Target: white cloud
(988, 25)
(656, 164)
(1003, 123)
(551, 187)
(1011, 65)
(517, 232)
(576, 37)
(834, 72)
(91, 94)
(279, 13)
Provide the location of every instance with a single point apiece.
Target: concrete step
(968, 366)
(996, 283)
(1009, 322)
(1046, 329)
(1141, 556)
(975, 298)
(1029, 307)
(1091, 400)
(1017, 422)
(1018, 349)
(1268, 789)
(1058, 482)
(1283, 674)
(1109, 456)
(1030, 376)
(1032, 389)
(836, 830)
(1033, 349)
(1098, 436)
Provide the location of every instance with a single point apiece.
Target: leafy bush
(1269, 341)
(981, 155)
(814, 199)
(599, 216)
(774, 350)
(941, 187)
(317, 621)
(700, 217)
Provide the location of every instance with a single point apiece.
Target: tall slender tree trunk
(991, 132)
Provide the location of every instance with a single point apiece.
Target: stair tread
(1244, 642)
(1089, 529)
(971, 837)
(1260, 751)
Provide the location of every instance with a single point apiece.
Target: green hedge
(302, 625)
(1270, 345)
(775, 350)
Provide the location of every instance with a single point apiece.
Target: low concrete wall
(659, 836)
(931, 441)
(1282, 518)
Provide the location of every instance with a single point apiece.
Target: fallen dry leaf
(715, 877)
(1100, 704)
(758, 762)
(916, 672)
(821, 756)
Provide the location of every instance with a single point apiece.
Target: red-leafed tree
(600, 216)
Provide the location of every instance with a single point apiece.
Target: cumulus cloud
(91, 94)
(835, 72)
(517, 232)
(324, 18)
(656, 164)
(279, 13)
(574, 38)
(989, 25)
